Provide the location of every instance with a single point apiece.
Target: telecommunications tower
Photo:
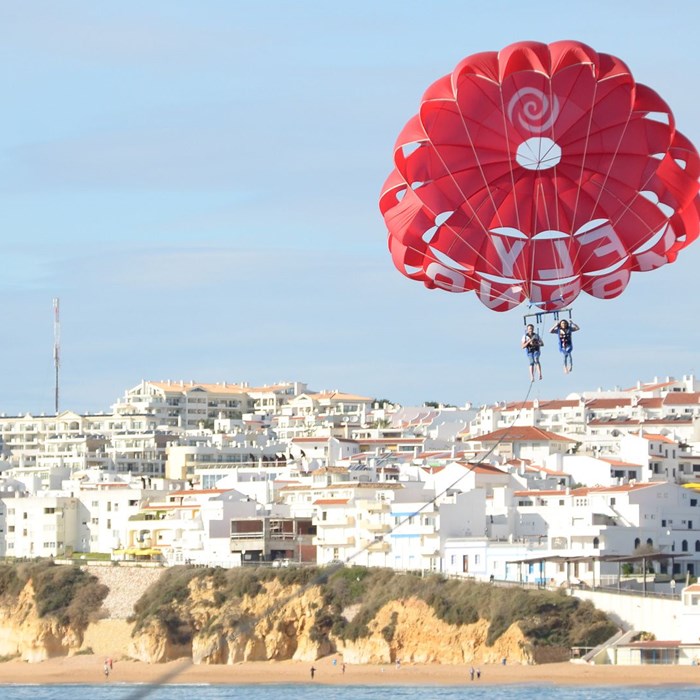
(56, 346)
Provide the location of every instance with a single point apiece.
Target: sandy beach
(89, 669)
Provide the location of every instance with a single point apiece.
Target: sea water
(115, 691)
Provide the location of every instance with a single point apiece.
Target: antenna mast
(56, 346)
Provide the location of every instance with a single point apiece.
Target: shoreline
(88, 670)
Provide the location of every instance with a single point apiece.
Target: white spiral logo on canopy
(534, 111)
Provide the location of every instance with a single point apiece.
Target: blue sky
(198, 183)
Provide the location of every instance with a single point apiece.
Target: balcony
(374, 526)
(343, 521)
(374, 506)
(333, 539)
(380, 546)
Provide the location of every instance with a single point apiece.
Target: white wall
(660, 616)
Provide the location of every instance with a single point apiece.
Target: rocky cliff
(25, 635)
(275, 620)
(278, 623)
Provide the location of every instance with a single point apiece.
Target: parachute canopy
(537, 172)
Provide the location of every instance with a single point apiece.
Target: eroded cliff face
(276, 624)
(414, 634)
(279, 624)
(25, 635)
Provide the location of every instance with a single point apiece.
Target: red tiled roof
(521, 433)
(585, 490)
(619, 463)
(432, 470)
(392, 441)
(682, 398)
(608, 403)
(552, 405)
(658, 438)
(331, 501)
(651, 386)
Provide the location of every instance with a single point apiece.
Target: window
(465, 563)
(684, 546)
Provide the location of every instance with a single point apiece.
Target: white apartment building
(597, 471)
(44, 525)
(351, 519)
(520, 442)
(206, 459)
(561, 416)
(270, 399)
(414, 533)
(613, 520)
(185, 405)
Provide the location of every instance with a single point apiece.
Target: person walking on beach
(313, 672)
(106, 669)
(471, 673)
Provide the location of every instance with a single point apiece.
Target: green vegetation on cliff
(67, 593)
(546, 618)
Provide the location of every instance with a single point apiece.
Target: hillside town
(580, 491)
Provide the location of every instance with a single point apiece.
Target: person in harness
(564, 329)
(532, 343)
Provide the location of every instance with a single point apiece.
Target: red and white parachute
(537, 172)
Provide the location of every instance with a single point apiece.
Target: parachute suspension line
(615, 153)
(555, 179)
(581, 172)
(534, 214)
(511, 169)
(481, 172)
(434, 499)
(489, 191)
(475, 213)
(557, 223)
(603, 186)
(585, 155)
